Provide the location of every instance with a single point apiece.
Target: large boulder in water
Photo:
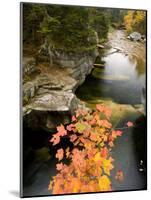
(135, 36)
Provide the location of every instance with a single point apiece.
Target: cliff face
(79, 65)
(50, 91)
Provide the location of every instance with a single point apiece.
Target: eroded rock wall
(52, 90)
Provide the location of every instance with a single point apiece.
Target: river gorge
(53, 95)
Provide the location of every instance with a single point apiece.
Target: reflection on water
(139, 68)
(121, 80)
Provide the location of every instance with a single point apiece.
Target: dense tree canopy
(66, 27)
(74, 27)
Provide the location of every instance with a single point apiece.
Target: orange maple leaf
(111, 144)
(116, 133)
(59, 166)
(73, 138)
(119, 175)
(100, 107)
(60, 154)
(104, 123)
(129, 124)
(67, 152)
(55, 139)
(70, 127)
(61, 130)
(104, 152)
(73, 118)
(93, 136)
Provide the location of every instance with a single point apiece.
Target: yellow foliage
(128, 20)
(104, 183)
(107, 166)
(97, 157)
(135, 21)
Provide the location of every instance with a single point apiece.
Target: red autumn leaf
(104, 123)
(97, 116)
(59, 154)
(86, 132)
(118, 133)
(73, 138)
(78, 157)
(92, 122)
(100, 107)
(73, 118)
(81, 112)
(70, 127)
(55, 139)
(119, 175)
(111, 139)
(111, 159)
(90, 163)
(91, 153)
(61, 130)
(104, 152)
(67, 152)
(93, 136)
(111, 144)
(85, 141)
(129, 124)
(59, 166)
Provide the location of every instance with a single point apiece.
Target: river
(123, 76)
(119, 84)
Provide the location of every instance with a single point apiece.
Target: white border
(9, 100)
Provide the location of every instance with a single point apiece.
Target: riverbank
(118, 40)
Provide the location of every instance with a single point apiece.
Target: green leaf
(80, 127)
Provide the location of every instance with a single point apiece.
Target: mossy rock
(97, 72)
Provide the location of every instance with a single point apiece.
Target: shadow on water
(140, 140)
(39, 162)
(130, 153)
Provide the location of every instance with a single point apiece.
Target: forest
(69, 28)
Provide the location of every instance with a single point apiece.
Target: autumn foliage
(89, 161)
(135, 21)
